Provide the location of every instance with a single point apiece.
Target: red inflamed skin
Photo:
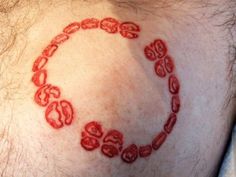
(110, 25)
(94, 129)
(130, 154)
(59, 112)
(112, 143)
(129, 30)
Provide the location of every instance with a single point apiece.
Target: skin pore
(108, 82)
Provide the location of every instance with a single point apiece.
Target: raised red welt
(109, 25)
(129, 30)
(109, 150)
(130, 154)
(159, 140)
(39, 63)
(159, 68)
(145, 151)
(89, 23)
(72, 28)
(173, 84)
(94, 129)
(170, 123)
(39, 78)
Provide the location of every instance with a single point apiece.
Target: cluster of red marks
(92, 138)
(59, 112)
(128, 30)
(112, 143)
(113, 140)
(91, 135)
(164, 67)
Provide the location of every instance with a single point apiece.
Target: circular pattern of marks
(60, 112)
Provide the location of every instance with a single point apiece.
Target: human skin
(108, 79)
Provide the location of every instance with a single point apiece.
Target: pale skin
(108, 79)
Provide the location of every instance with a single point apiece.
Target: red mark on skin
(57, 114)
(39, 63)
(159, 68)
(175, 104)
(130, 154)
(129, 30)
(60, 113)
(53, 115)
(113, 143)
(60, 38)
(110, 25)
(155, 50)
(173, 84)
(67, 111)
(72, 28)
(45, 93)
(89, 143)
(145, 151)
(160, 48)
(114, 136)
(159, 140)
(109, 150)
(169, 64)
(170, 123)
(150, 53)
(50, 50)
(90, 23)
(94, 129)
(39, 78)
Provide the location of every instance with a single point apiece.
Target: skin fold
(108, 79)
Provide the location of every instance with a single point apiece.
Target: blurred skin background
(109, 80)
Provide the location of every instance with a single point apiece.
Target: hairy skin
(108, 79)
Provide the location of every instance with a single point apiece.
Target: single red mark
(155, 50)
(39, 63)
(159, 140)
(60, 38)
(173, 84)
(159, 68)
(57, 114)
(130, 154)
(175, 103)
(169, 64)
(39, 78)
(160, 48)
(110, 25)
(145, 151)
(94, 129)
(90, 23)
(50, 50)
(114, 136)
(150, 53)
(45, 93)
(129, 30)
(109, 150)
(72, 28)
(53, 115)
(67, 111)
(89, 143)
(170, 123)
